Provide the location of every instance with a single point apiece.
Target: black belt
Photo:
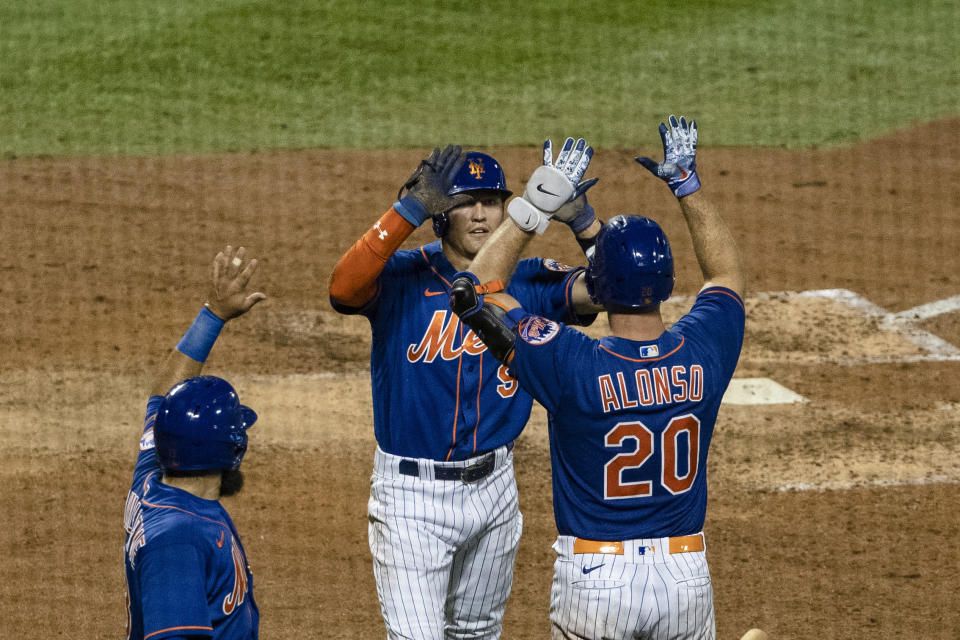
(474, 473)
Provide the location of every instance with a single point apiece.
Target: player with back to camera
(187, 573)
(631, 415)
(444, 520)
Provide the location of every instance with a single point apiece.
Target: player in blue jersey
(444, 521)
(187, 573)
(631, 415)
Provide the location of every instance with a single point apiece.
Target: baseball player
(187, 573)
(631, 415)
(444, 521)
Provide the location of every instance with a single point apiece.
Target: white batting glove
(573, 161)
(552, 185)
(547, 190)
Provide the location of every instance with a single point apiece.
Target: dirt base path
(831, 518)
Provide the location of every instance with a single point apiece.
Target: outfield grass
(146, 77)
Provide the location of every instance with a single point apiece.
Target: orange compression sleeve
(354, 279)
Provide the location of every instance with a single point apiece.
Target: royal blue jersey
(187, 573)
(631, 422)
(437, 391)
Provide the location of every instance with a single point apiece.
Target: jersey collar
(643, 350)
(433, 254)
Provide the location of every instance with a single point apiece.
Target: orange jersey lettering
(235, 598)
(440, 338)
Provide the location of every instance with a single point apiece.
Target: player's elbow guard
(489, 321)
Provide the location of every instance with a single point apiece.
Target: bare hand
(231, 273)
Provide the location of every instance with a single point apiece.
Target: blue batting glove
(679, 166)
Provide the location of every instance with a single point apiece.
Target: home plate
(759, 391)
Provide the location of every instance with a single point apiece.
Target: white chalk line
(929, 310)
(867, 484)
(935, 349)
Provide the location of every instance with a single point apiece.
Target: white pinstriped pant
(443, 550)
(645, 594)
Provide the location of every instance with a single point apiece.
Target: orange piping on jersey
(165, 506)
(726, 293)
(189, 513)
(149, 635)
(354, 278)
(476, 426)
(456, 407)
(424, 254)
(667, 355)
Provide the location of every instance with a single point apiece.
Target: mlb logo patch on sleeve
(537, 330)
(146, 442)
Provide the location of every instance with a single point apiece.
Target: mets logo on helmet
(537, 330)
(476, 168)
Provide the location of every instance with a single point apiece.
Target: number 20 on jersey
(614, 486)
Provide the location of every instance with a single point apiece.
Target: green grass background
(148, 77)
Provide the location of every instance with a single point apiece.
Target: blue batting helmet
(201, 426)
(632, 265)
(479, 172)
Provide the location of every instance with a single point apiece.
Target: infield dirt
(834, 518)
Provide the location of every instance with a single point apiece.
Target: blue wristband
(199, 338)
(583, 220)
(411, 210)
(688, 186)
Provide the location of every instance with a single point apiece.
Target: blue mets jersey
(187, 573)
(437, 392)
(630, 421)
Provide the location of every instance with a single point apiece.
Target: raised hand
(228, 294)
(572, 162)
(554, 187)
(428, 186)
(679, 166)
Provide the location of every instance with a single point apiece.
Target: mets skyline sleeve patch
(537, 330)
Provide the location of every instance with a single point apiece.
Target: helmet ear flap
(441, 224)
(589, 280)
